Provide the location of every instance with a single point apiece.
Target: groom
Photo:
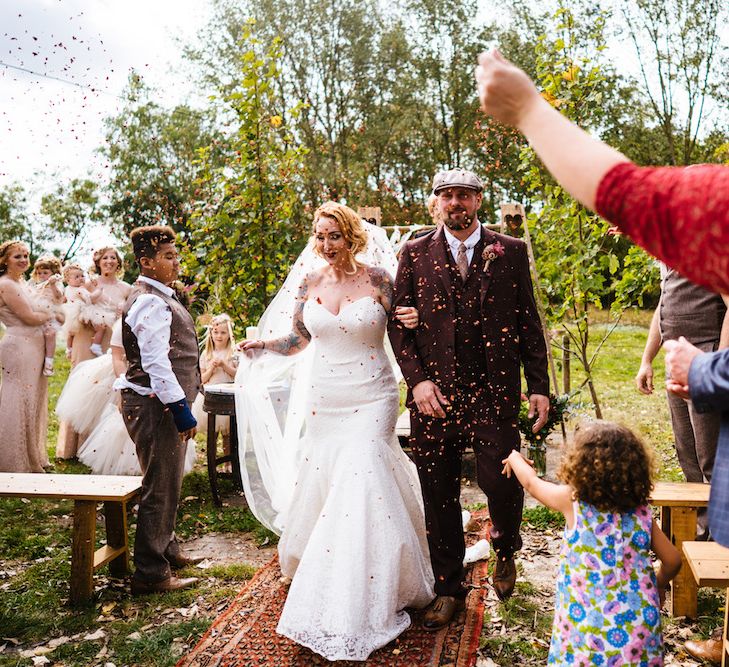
(478, 324)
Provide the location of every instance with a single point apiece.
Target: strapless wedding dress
(354, 537)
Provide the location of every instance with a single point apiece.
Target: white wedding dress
(353, 536)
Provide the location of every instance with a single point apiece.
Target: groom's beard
(462, 222)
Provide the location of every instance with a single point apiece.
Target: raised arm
(293, 342)
(510, 96)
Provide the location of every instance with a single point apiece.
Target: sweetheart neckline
(346, 305)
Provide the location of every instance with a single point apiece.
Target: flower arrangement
(537, 442)
(490, 253)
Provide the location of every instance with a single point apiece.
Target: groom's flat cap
(456, 178)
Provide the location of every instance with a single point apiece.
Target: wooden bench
(679, 503)
(86, 491)
(709, 563)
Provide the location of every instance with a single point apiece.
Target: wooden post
(566, 379)
(115, 517)
(683, 587)
(372, 214)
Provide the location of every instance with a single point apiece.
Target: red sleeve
(678, 214)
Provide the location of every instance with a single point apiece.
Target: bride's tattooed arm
(299, 337)
(382, 282)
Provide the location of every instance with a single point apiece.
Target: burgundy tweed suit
(472, 339)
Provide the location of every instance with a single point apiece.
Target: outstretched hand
(248, 346)
(508, 469)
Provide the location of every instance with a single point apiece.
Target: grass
(35, 539)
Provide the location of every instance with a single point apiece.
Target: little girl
(218, 364)
(76, 296)
(608, 598)
(48, 297)
(98, 314)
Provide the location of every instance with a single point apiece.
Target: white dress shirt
(470, 243)
(150, 320)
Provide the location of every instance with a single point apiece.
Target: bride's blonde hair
(350, 224)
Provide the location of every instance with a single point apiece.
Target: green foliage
(71, 212)
(542, 518)
(152, 153)
(242, 237)
(558, 407)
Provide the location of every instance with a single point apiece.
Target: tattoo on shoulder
(381, 281)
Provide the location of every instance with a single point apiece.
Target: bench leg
(82, 551)
(212, 455)
(683, 587)
(115, 516)
(725, 633)
(234, 453)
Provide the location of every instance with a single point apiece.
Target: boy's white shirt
(150, 320)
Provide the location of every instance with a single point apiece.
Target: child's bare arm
(669, 556)
(555, 496)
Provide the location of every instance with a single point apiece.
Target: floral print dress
(606, 603)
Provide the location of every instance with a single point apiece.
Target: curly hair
(609, 467)
(5, 249)
(70, 267)
(349, 223)
(49, 263)
(98, 254)
(147, 239)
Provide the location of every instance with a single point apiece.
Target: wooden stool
(220, 400)
(709, 563)
(679, 502)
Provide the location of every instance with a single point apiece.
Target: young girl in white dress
(76, 296)
(353, 538)
(218, 365)
(48, 298)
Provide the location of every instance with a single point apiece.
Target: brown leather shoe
(504, 578)
(709, 649)
(442, 611)
(179, 561)
(164, 586)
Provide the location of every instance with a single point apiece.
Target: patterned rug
(245, 634)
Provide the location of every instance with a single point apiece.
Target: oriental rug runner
(244, 635)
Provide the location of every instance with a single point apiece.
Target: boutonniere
(490, 253)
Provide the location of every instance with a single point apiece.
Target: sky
(50, 127)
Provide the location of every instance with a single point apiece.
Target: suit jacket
(709, 388)
(511, 330)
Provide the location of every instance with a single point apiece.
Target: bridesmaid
(24, 388)
(108, 267)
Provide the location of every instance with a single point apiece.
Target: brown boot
(164, 586)
(709, 649)
(504, 578)
(442, 611)
(178, 561)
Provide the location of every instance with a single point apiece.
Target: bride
(351, 520)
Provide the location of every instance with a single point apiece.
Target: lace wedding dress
(353, 536)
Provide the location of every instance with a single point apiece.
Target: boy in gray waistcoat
(162, 380)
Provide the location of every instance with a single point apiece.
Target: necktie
(462, 261)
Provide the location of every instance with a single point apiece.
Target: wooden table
(679, 503)
(86, 491)
(220, 400)
(709, 564)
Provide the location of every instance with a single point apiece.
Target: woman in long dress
(24, 388)
(353, 538)
(107, 267)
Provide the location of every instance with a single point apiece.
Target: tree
(71, 212)
(573, 247)
(243, 238)
(683, 67)
(14, 223)
(152, 152)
